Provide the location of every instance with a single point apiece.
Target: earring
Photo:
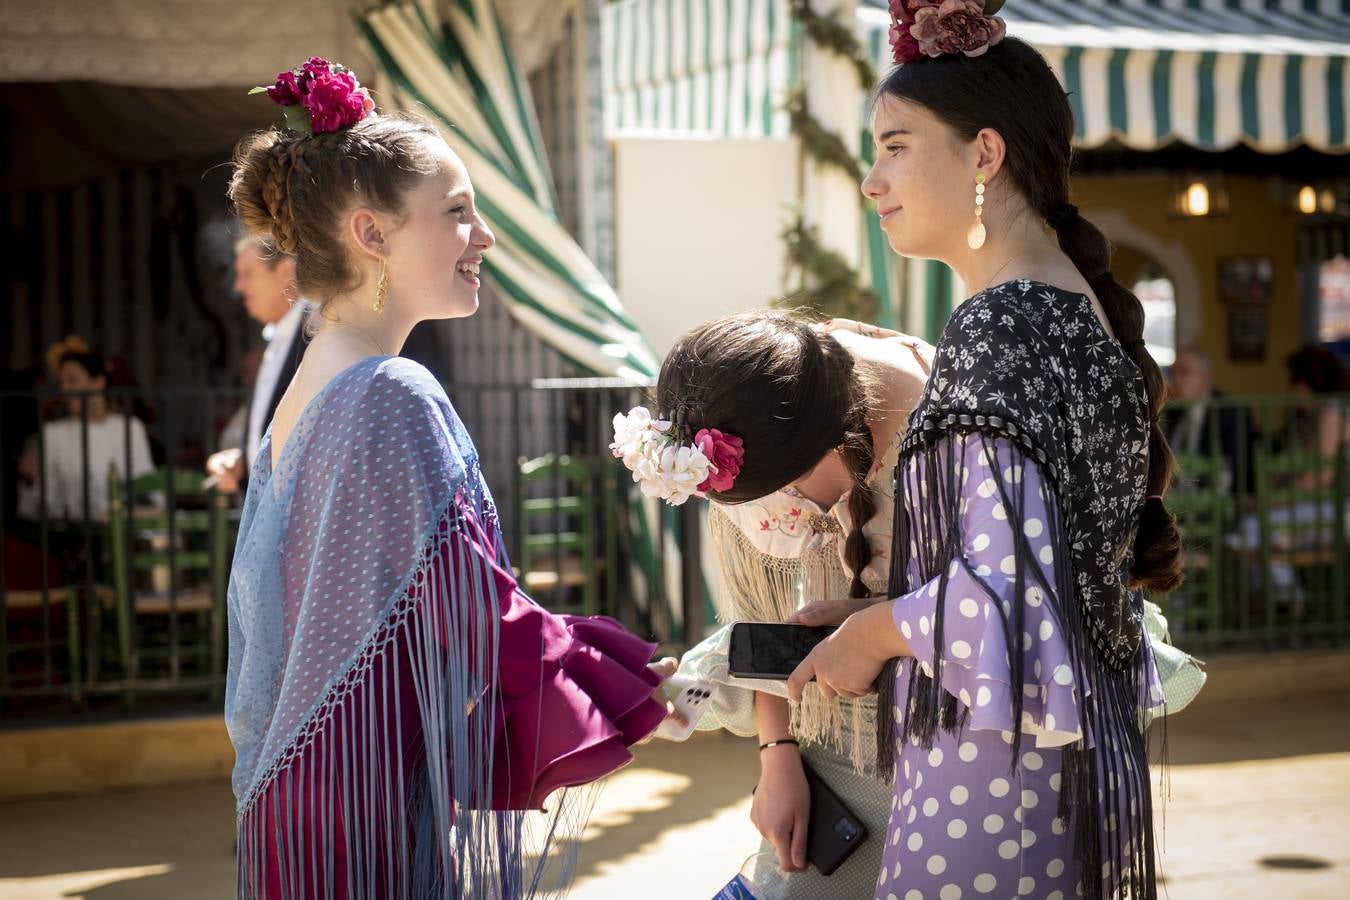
(975, 236)
(381, 290)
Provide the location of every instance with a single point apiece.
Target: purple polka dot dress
(966, 822)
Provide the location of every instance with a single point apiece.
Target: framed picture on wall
(1246, 280)
(1247, 329)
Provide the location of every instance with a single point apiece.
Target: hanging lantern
(1199, 196)
(1306, 201)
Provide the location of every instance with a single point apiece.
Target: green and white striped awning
(452, 62)
(1213, 74)
(716, 68)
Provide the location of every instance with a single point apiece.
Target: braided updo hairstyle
(791, 393)
(296, 189)
(1013, 90)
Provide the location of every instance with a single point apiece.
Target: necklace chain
(1005, 265)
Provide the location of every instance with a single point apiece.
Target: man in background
(265, 279)
(1189, 429)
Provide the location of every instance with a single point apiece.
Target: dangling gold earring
(975, 236)
(381, 290)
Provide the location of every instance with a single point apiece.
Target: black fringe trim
(1104, 793)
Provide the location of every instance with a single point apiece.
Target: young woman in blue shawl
(395, 702)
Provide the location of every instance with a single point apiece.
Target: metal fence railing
(114, 587)
(1263, 502)
(114, 597)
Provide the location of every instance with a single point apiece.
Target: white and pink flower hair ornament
(932, 28)
(318, 97)
(668, 464)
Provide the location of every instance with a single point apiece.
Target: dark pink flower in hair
(334, 100)
(903, 46)
(329, 95)
(286, 92)
(957, 26)
(725, 452)
(310, 70)
(903, 11)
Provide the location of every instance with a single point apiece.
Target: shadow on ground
(1243, 732)
(177, 842)
(79, 844)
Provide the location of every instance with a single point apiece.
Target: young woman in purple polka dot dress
(1014, 669)
(396, 704)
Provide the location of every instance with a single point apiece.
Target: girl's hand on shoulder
(831, 612)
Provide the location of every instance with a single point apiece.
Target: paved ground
(1259, 807)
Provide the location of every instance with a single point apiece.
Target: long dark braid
(858, 453)
(1157, 565)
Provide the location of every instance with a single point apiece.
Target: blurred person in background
(1322, 383)
(67, 462)
(265, 279)
(1321, 431)
(1188, 426)
(235, 432)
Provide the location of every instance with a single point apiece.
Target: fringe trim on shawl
(764, 588)
(1105, 788)
(356, 808)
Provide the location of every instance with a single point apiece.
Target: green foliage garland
(835, 289)
(831, 34)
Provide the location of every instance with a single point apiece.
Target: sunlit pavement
(1259, 807)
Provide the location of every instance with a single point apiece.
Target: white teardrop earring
(976, 235)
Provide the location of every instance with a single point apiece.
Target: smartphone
(772, 649)
(833, 832)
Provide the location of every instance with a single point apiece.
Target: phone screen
(772, 650)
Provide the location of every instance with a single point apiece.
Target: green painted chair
(556, 529)
(170, 564)
(1195, 610)
(1303, 527)
(18, 603)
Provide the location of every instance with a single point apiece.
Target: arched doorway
(1157, 291)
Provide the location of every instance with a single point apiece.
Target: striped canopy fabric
(451, 61)
(1213, 74)
(717, 68)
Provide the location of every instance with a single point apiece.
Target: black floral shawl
(1031, 364)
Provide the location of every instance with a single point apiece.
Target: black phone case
(826, 849)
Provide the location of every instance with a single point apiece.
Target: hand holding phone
(690, 698)
(833, 832)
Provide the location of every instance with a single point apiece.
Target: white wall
(696, 228)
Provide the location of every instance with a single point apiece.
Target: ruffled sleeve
(573, 693)
(979, 600)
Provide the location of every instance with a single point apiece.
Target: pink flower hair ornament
(664, 466)
(933, 28)
(319, 97)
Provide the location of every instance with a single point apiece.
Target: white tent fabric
(212, 43)
(452, 61)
